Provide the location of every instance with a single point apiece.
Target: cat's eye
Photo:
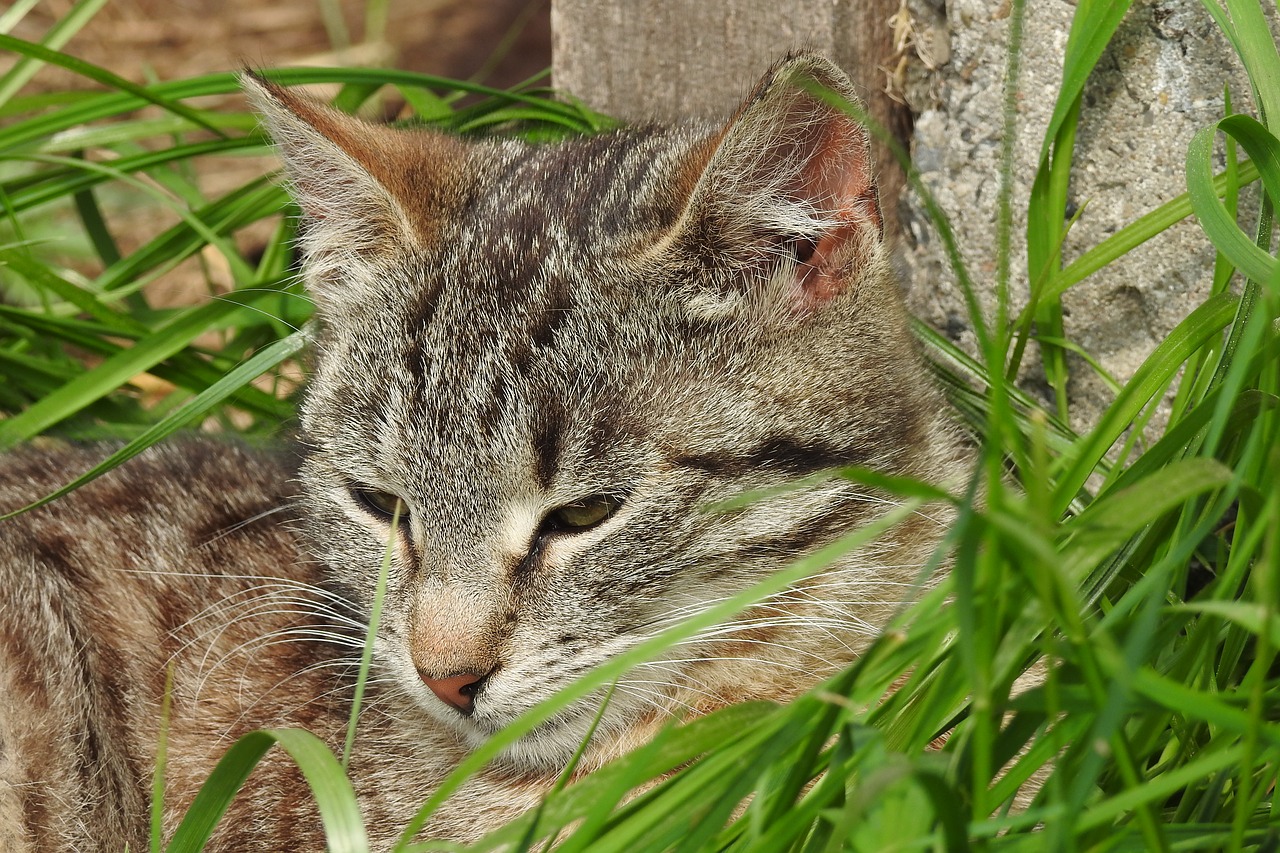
(380, 503)
(582, 514)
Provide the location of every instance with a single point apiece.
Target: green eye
(380, 503)
(583, 514)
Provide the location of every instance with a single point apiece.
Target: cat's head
(557, 357)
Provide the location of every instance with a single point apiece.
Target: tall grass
(1146, 584)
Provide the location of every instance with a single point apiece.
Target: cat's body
(553, 360)
(217, 590)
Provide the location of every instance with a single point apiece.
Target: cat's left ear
(786, 192)
(368, 193)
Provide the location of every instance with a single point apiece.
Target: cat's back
(105, 592)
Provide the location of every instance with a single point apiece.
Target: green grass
(1145, 580)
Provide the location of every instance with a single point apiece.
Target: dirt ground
(165, 39)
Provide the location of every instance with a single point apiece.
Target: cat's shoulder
(187, 468)
(191, 504)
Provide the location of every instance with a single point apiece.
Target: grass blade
(198, 406)
(339, 812)
(93, 72)
(68, 24)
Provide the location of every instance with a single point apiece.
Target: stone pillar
(1159, 82)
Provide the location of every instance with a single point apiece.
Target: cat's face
(556, 360)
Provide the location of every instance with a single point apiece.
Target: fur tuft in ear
(787, 189)
(368, 193)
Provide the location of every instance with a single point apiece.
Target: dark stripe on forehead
(421, 314)
(550, 316)
(608, 429)
(515, 241)
(599, 168)
(423, 310)
(496, 403)
(781, 454)
(547, 434)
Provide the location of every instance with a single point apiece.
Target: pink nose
(457, 691)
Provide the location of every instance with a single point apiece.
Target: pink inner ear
(839, 177)
(839, 173)
(819, 276)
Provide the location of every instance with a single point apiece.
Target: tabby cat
(547, 362)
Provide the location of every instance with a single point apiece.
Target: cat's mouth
(548, 743)
(490, 717)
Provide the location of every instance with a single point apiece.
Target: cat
(545, 363)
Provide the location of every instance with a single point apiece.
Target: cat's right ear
(784, 199)
(369, 194)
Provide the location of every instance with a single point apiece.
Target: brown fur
(84, 654)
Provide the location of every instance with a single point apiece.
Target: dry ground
(142, 38)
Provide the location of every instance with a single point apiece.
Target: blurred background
(496, 42)
(500, 43)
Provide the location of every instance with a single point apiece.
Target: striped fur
(665, 316)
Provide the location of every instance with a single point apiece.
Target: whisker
(242, 524)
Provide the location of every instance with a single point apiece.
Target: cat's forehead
(553, 241)
(588, 193)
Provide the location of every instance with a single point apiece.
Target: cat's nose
(457, 691)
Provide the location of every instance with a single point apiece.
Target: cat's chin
(549, 746)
